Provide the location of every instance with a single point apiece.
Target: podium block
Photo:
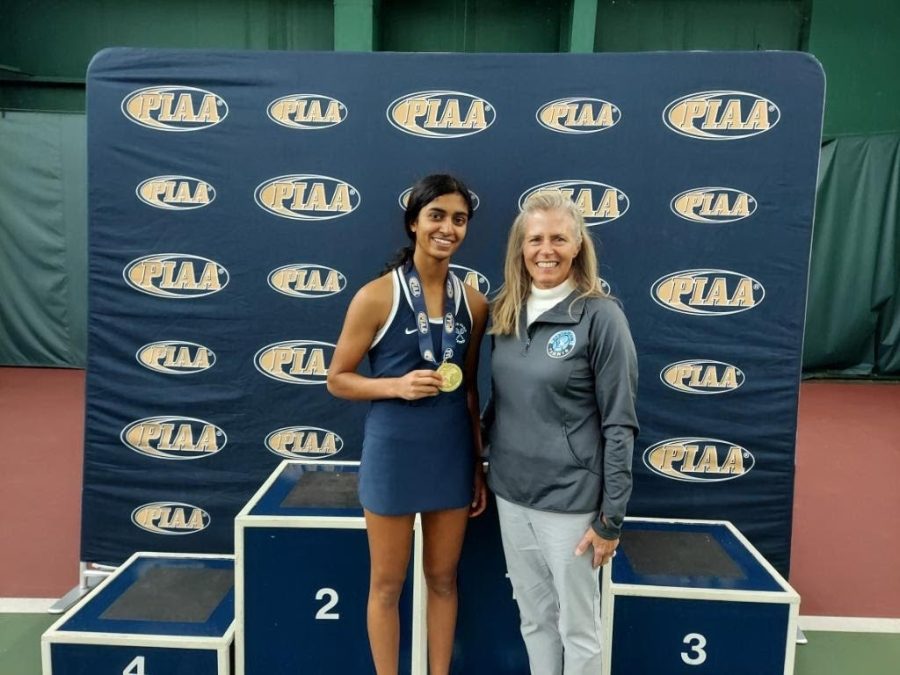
(695, 597)
(158, 613)
(302, 577)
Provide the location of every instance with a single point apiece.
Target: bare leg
(390, 539)
(443, 533)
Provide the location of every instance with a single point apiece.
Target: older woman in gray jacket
(561, 428)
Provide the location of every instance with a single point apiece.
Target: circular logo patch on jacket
(561, 344)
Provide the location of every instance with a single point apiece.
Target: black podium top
(162, 594)
(314, 489)
(182, 594)
(690, 554)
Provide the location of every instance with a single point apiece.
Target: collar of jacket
(558, 314)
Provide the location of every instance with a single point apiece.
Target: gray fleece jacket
(561, 421)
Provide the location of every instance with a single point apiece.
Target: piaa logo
(721, 115)
(304, 442)
(713, 205)
(441, 114)
(307, 111)
(698, 460)
(173, 108)
(578, 115)
(303, 280)
(403, 200)
(175, 275)
(176, 357)
(295, 361)
(176, 193)
(307, 197)
(600, 203)
(707, 292)
(174, 437)
(699, 376)
(473, 278)
(170, 518)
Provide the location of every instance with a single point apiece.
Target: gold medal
(452, 374)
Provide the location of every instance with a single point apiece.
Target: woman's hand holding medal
(418, 384)
(451, 374)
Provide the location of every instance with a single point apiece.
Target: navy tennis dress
(417, 455)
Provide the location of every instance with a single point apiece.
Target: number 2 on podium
(324, 612)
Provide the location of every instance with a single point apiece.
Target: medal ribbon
(417, 295)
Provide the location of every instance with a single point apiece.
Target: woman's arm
(479, 306)
(614, 364)
(616, 371)
(366, 315)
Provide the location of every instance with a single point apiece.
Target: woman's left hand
(604, 549)
(479, 498)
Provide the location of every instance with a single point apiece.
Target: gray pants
(558, 592)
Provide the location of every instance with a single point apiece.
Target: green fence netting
(853, 312)
(43, 239)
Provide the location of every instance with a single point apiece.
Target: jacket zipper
(529, 333)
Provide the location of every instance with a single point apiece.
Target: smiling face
(441, 225)
(549, 247)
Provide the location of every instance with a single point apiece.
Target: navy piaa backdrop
(238, 200)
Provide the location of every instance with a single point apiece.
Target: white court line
(849, 624)
(25, 605)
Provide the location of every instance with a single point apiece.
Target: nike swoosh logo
(410, 331)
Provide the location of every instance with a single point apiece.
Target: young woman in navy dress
(422, 329)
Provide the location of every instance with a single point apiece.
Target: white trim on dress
(395, 303)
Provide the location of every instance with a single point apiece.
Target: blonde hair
(507, 307)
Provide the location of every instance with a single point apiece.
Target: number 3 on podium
(695, 649)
